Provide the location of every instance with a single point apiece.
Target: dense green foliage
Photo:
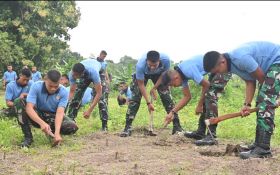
(35, 33)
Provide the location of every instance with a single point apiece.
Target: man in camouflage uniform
(81, 76)
(192, 69)
(103, 102)
(150, 66)
(16, 93)
(46, 102)
(254, 61)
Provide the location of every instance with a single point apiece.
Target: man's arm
(259, 75)
(205, 86)
(250, 91)
(98, 90)
(9, 103)
(34, 116)
(144, 93)
(4, 81)
(58, 121)
(153, 90)
(23, 95)
(184, 101)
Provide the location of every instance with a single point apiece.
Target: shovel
(213, 121)
(151, 120)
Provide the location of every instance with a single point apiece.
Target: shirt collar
(44, 89)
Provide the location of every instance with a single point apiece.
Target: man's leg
(267, 102)
(75, 104)
(68, 126)
(200, 132)
(23, 121)
(133, 107)
(103, 104)
(217, 85)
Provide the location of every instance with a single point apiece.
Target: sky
(180, 29)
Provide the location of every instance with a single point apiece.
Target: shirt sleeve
(71, 79)
(16, 76)
(39, 75)
(5, 76)
(64, 99)
(30, 83)
(139, 72)
(32, 95)
(95, 77)
(166, 62)
(9, 93)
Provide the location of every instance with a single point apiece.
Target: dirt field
(102, 153)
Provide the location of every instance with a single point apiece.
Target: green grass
(238, 129)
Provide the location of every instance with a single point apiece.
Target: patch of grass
(239, 129)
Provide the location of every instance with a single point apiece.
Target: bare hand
(199, 109)
(151, 107)
(46, 128)
(87, 114)
(245, 111)
(57, 139)
(169, 117)
(22, 96)
(153, 93)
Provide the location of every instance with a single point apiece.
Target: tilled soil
(107, 153)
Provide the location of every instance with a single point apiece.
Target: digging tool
(151, 122)
(212, 121)
(211, 134)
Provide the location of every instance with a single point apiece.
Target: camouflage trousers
(210, 105)
(134, 103)
(15, 111)
(68, 126)
(217, 85)
(267, 99)
(75, 104)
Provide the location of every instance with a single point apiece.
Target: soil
(140, 154)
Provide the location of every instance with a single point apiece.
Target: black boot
(200, 132)
(104, 125)
(262, 149)
(176, 125)
(28, 138)
(253, 145)
(209, 139)
(127, 130)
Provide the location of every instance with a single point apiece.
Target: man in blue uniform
(87, 98)
(150, 66)
(192, 69)
(36, 75)
(9, 76)
(46, 102)
(124, 90)
(81, 76)
(105, 82)
(16, 92)
(253, 61)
